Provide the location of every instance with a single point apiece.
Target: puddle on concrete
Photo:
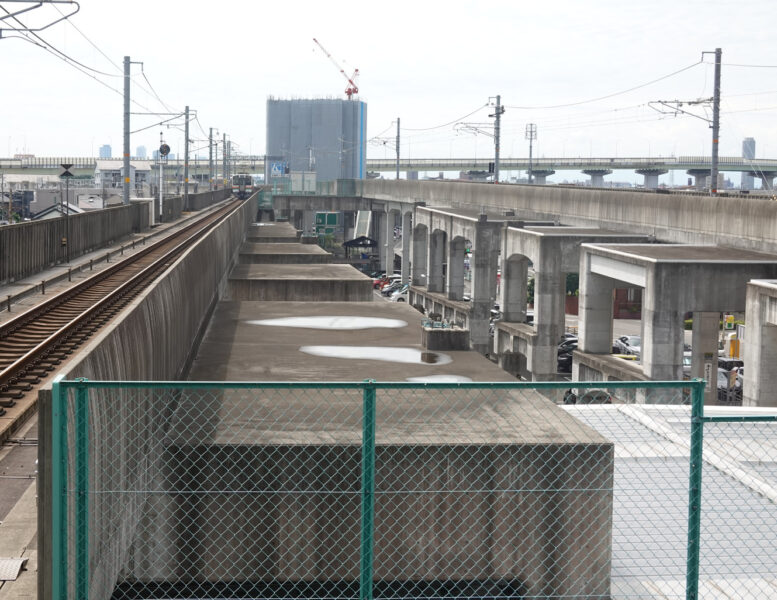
(338, 323)
(262, 224)
(399, 355)
(439, 379)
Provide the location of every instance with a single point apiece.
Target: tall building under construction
(327, 136)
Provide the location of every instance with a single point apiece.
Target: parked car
(729, 364)
(629, 344)
(567, 345)
(564, 362)
(391, 288)
(400, 296)
(729, 387)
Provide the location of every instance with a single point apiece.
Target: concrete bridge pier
(597, 176)
(391, 218)
(700, 177)
(407, 237)
(549, 297)
(539, 176)
(594, 316)
(766, 177)
(436, 272)
(380, 218)
(760, 345)
(456, 255)
(513, 288)
(420, 255)
(484, 261)
(704, 353)
(651, 177)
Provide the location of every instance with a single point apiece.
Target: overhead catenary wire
(605, 97)
(481, 107)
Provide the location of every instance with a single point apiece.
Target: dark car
(564, 362)
(729, 387)
(567, 345)
(589, 397)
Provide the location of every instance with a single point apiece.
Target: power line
(609, 95)
(95, 46)
(445, 124)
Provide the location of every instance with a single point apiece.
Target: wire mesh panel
(376, 490)
(738, 546)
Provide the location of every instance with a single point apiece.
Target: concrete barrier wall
(202, 200)
(171, 209)
(738, 222)
(152, 340)
(27, 248)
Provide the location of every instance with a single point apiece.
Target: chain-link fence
(402, 490)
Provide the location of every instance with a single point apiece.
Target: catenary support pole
(186, 161)
(126, 151)
(397, 148)
(210, 159)
(715, 125)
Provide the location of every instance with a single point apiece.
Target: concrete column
(767, 179)
(549, 296)
(308, 224)
(407, 236)
(597, 176)
(435, 272)
(539, 177)
(700, 177)
(380, 229)
(595, 312)
(390, 220)
(704, 355)
(651, 177)
(760, 345)
(455, 269)
(662, 336)
(420, 256)
(513, 289)
(485, 258)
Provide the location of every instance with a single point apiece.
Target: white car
(400, 296)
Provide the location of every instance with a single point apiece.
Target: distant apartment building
(105, 151)
(748, 152)
(140, 152)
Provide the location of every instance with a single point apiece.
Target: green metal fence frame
(60, 466)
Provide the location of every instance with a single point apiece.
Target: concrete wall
(205, 199)
(741, 222)
(153, 339)
(549, 539)
(27, 248)
(172, 208)
(300, 290)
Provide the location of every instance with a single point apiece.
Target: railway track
(35, 342)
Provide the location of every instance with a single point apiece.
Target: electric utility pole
(126, 155)
(210, 159)
(497, 124)
(715, 125)
(397, 148)
(186, 160)
(531, 135)
(224, 159)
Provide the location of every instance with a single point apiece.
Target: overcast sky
(427, 62)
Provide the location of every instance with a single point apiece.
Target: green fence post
(82, 490)
(368, 491)
(694, 490)
(58, 490)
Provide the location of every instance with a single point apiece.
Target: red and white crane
(352, 87)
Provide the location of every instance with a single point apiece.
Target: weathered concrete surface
(324, 283)
(445, 338)
(676, 279)
(254, 253)
(470, 525)
(760, 345)
(271, 232)
(737, 222)
(152, 339)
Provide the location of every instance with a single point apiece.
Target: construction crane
(352, 87)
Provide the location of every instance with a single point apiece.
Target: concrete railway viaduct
(688, 253)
